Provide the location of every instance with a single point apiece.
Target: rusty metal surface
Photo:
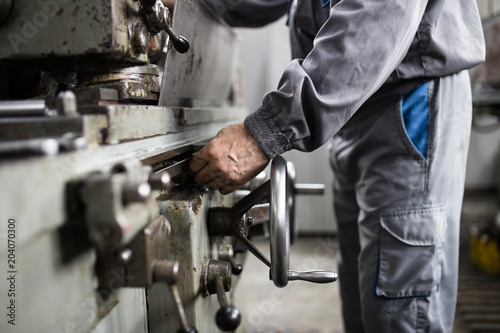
(78, 44)
(203, 75)
(69, 28)
(132, 83)
(150, 245)
(137, 122)
(186, 210)
(118, 123)
(27, 127)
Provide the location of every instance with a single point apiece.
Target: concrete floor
(300, 307)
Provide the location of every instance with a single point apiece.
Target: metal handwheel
(236, 221)
(279, 222)
(283, 226)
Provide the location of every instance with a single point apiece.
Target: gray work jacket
(348, 52)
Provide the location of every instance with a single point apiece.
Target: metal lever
(141, 262)
(225, 252)
(316, 276)
(294, 189)
(217, 280)
(157, 18)
(309, 189)
(168, 272)
(180, 43)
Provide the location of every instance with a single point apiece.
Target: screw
(136, 192)
(124, 256)
(160, 181)
(140, 37)
(249, 220)
(66, 103)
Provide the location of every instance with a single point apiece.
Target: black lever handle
(168, 272)
(157, 18)
(225, 252)
(228, 318)
(217, 280)
(236, 268)
(180, 43)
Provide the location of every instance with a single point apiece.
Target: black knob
(181, 44)
(228, 318)
(236, 268)
(188, 330)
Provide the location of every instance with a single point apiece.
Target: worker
(386, 83)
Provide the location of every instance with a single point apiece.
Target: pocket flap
(427, 226)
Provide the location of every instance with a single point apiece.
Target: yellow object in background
(485, 249)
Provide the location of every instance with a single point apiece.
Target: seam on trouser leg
(421, 321)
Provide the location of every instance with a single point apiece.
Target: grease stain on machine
(190, 198)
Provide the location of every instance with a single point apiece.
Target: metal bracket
(216, 279)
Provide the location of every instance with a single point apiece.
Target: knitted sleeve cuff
(267, 134)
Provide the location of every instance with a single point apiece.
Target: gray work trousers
(398, 213)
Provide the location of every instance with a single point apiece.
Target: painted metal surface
(189, 244)
(84, 28)
(55, 265)
(202, 76)
(56, 285)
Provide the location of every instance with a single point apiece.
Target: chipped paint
(75, 11)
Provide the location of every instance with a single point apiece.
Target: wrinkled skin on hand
(229, 161)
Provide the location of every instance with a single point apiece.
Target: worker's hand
(229, 161)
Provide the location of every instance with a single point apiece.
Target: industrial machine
(102, 228)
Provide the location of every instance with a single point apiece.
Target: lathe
(102, 228)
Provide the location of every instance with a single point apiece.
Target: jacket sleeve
(354, 52)
(248, 13)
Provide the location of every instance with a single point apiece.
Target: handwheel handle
(293, 190)
(316, 276)
(216, 279)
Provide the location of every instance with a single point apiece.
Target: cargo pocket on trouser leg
(410, 256)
